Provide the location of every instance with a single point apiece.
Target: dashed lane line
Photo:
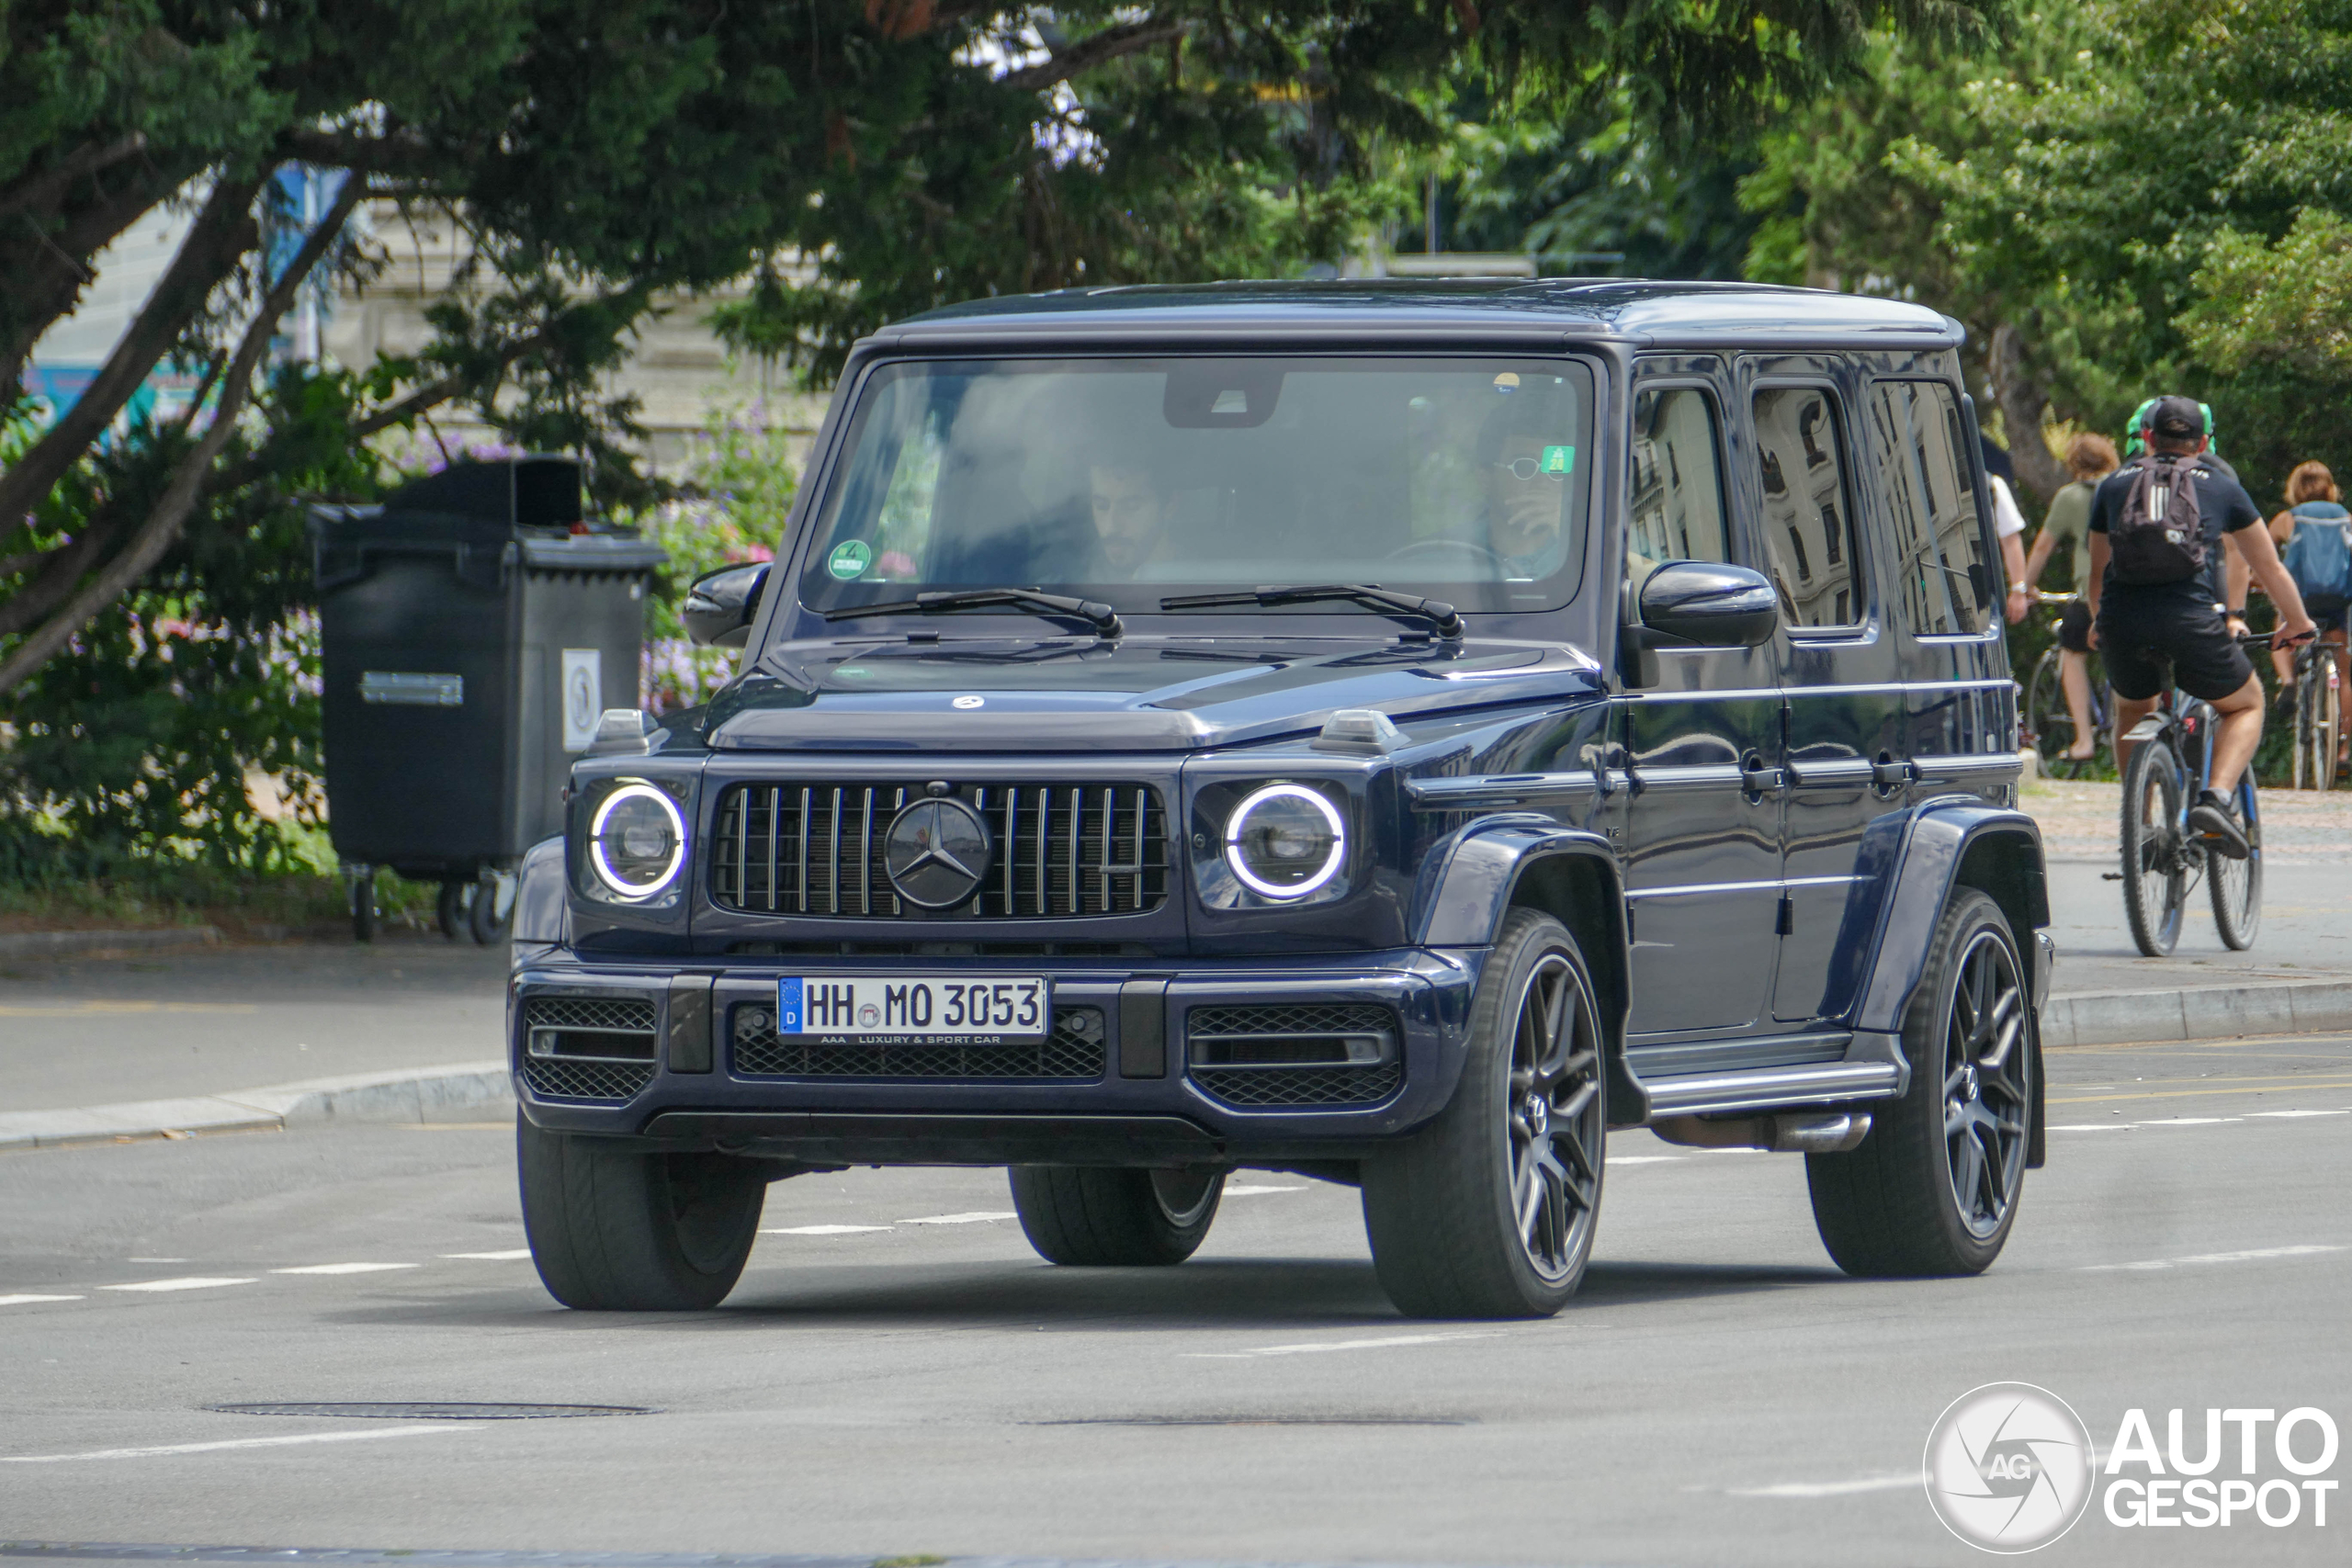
(511, 1255)
(1327, 1346)
(2254, 1086)
(978, 1216)
(1256, 1191)
(192, 1283)
(29, 1300)
(1829, 1488)
(2250, 1256)
(344, 1269)
(232, 1443)
(825, 1230)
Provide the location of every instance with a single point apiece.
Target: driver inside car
(1526, 474)
(1128, 508)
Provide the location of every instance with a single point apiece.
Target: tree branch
(2023, 400)
(1111, 43)
(397, 152)
(223, 232)
(170, 513)
(88, 159)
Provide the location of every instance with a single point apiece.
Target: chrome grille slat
(1058, 860)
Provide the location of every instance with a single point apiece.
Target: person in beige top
(2090, 458)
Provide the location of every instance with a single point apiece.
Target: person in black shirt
(2141, 627)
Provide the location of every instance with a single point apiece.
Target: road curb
(2213, 1012)
(66, 944)
(422, 1094)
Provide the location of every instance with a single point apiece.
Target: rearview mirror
(1696, 604)
(721, 605)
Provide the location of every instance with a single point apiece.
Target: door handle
(1888, 773)
(1756, 779)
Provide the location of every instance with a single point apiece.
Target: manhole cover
(430, 1410)
(1257, 1421)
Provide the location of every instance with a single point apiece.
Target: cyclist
(2314, 540)
(2009, 525)
(2156, 599)
(2090, 458)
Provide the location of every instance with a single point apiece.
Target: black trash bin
(475, 627)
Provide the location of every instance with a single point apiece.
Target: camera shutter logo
(2008, 1467)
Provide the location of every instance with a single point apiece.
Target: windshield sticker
(1559, 460)
(1507, 382)
(850, 559)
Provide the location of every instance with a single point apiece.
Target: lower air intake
(1072, 1052)
(1305, 1054)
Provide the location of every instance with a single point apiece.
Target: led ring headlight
(1285, 842)
(645, 867)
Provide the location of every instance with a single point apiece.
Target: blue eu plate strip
(788, 1007)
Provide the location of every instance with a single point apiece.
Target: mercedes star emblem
(936, 852)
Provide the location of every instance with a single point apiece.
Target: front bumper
(1131, 1094)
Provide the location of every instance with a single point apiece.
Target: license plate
(891, 1010)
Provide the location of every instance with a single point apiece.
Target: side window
(1808, 519)
(1678, 489)
(1941, 574)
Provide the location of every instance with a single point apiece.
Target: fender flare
(541, 911)
(1948, 845)
(1468, 884)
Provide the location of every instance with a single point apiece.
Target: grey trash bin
(475, 627)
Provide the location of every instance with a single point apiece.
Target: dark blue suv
(1390, 734)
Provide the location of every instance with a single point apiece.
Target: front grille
(565, 1077)
(1072, 1050)
(588, 1047)
(1295, 1054)
(1057, 850)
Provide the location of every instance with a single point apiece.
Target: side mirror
(1695, 604)
(721, 605)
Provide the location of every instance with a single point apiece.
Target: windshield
(1130, 480)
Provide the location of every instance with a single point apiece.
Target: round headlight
(1285, 842)
(638, 840)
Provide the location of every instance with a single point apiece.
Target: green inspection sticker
(850, 559)
(1559, 460)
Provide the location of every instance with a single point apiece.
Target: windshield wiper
(1105, 619)
(1371, 596)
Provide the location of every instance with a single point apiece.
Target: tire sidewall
(1972, 912)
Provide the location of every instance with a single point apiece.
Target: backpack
(2158, 534)
(2319, 558)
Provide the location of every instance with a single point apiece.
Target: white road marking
(342, 1268)
(2095, 1127)
(1615, 1160)
(837, 1230)
(192, 1283)
(1829, 1488)
(976, 1217)
(2249, 1256)
(1254, 1191)
(2300, 1113)
(509, 1256)
(154, 1260)
(28, 1301)
(2187, 1122)
(1734, 1151)
(1329, 1344)
(231, 1443)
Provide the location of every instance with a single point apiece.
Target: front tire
(1489, 1210)
(1933, 1190)
(2155, 885)
(1107, 1217)
(2236, 885)
(614, 1230)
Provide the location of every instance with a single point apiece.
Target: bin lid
(489, 514)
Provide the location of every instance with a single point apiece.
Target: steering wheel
(1479, 554)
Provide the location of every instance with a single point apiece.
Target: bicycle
(2162, 859)
(2050, 724)
(2319, 715)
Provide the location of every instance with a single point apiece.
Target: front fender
(1949, 844)
(541, 911)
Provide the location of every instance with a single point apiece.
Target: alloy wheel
(1556, 1118)
(1988, 1088)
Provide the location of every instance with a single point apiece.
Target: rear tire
(2047, 718)
(1934, 1188)
(614, 1230)
(1108, 1217)
(1489, 1210)
(2154, 885)
(363, 906)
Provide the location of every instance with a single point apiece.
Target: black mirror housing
(1697, 603)
(721, 605)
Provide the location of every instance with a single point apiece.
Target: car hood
(1137, 694)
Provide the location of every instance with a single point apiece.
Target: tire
(2330, 726)
(490, 913)
(2155, 882)
(1489, 1210)
(1892, 1208)
(2306, 714)
(449, 909)
(2236, 885)
(2051, 726)
(1107, 1217)
(363, 907)
(615, 1230)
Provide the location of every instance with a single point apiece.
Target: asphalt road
(898, 1375)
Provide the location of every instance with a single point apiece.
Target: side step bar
(1768, 1087)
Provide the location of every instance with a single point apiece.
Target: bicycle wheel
(2155, 883)
(2328, 726)
(2236, 885)
(2302, 750)
(2047, 721)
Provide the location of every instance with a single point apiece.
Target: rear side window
(1678, 510)
(1941, 574)
(1808, 519)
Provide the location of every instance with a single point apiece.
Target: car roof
(1645, 312)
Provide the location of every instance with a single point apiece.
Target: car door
(1701, 748)
(1837, 666)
